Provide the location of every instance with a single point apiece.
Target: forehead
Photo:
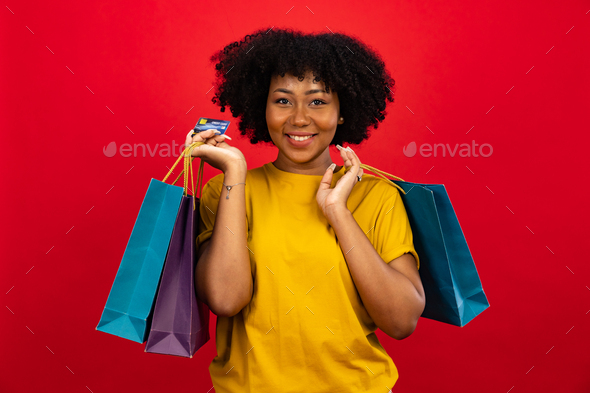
(292, 83)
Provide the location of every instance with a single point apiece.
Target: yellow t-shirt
(305, 329)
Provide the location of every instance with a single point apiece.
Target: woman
(301, 260)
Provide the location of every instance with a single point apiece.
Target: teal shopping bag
(180, 323)
(452, 286)
(130, 303)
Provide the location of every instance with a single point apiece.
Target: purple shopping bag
(180, 324)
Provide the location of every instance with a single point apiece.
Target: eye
(287, 101)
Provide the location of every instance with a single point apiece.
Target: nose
(299, 118)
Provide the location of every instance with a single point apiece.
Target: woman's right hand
(215, 151)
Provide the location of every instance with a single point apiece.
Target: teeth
(299, 138)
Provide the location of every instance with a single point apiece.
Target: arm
(392, 293)
(223, 276)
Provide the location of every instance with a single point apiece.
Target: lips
(307, 137)
(300, 133)
(297, 143)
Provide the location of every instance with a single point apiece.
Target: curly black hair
(346, 65)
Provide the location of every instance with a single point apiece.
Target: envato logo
(140, 150)
(462, 150)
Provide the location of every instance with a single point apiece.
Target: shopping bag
(129, 306)
(180, 324)
(452, 286)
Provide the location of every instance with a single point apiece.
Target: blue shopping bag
(452, 286)
(180, 323)
(129, 307)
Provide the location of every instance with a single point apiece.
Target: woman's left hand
(333, 200)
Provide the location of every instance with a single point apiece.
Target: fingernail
(348, 148)
(227, 137)
(339, 147)
(217, 132)
(332, 166)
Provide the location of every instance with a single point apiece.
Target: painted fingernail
(339, 147)
(217, 132)
(349, 149)
(332, 166)
(227, 137)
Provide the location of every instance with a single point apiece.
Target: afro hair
(345, 65)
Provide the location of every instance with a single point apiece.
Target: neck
(315, 167)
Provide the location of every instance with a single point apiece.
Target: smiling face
(302, 108)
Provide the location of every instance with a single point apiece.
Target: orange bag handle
(188, 160)
(188, 166)
(382, 174)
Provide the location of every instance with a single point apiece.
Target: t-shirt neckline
(279, 172)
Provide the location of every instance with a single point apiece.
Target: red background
(510, 74)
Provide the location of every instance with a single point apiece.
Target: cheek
(272, 119)
(328, 119)
(329, 124)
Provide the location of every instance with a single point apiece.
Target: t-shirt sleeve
(208, 207)
(393, 233)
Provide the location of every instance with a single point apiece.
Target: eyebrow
(281, 90)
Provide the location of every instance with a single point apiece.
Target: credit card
(206, 123)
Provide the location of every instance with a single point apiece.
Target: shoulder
(378, 189)
(216, 182)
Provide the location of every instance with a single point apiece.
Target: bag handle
(188, 160)
(186, 154)
(383, 175)
(176, 163)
